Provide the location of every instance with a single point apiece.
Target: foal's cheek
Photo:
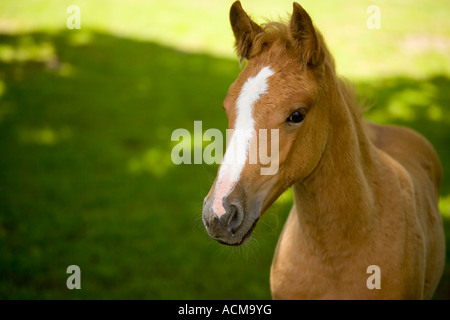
(272, 188)
(287, 147)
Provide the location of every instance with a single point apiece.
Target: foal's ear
(304, 37)
(244, 29)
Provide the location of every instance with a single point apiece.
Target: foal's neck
(335, 204)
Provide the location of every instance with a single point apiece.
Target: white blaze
(244, 127)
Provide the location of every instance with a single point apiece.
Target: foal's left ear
(244, 29)
(305, 37)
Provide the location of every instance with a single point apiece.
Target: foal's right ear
(244, 30)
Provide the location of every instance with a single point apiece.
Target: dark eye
(297, 116)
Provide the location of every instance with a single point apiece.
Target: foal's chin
(240, 240)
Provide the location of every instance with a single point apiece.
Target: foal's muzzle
(234, 226)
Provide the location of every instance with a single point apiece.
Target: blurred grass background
(86, 118)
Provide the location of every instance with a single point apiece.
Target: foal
(364, 194)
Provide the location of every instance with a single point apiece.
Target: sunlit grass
(444, 206)
(414, 38)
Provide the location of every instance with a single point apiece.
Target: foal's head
(280, 88)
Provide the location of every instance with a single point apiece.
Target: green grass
(86, 118)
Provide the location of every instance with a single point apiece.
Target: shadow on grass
(86, 177)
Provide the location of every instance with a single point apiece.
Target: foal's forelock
(244, 130)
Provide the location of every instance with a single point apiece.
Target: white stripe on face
(237, 150)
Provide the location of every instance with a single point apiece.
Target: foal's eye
(297, 116)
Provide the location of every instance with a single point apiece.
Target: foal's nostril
(235, 218)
